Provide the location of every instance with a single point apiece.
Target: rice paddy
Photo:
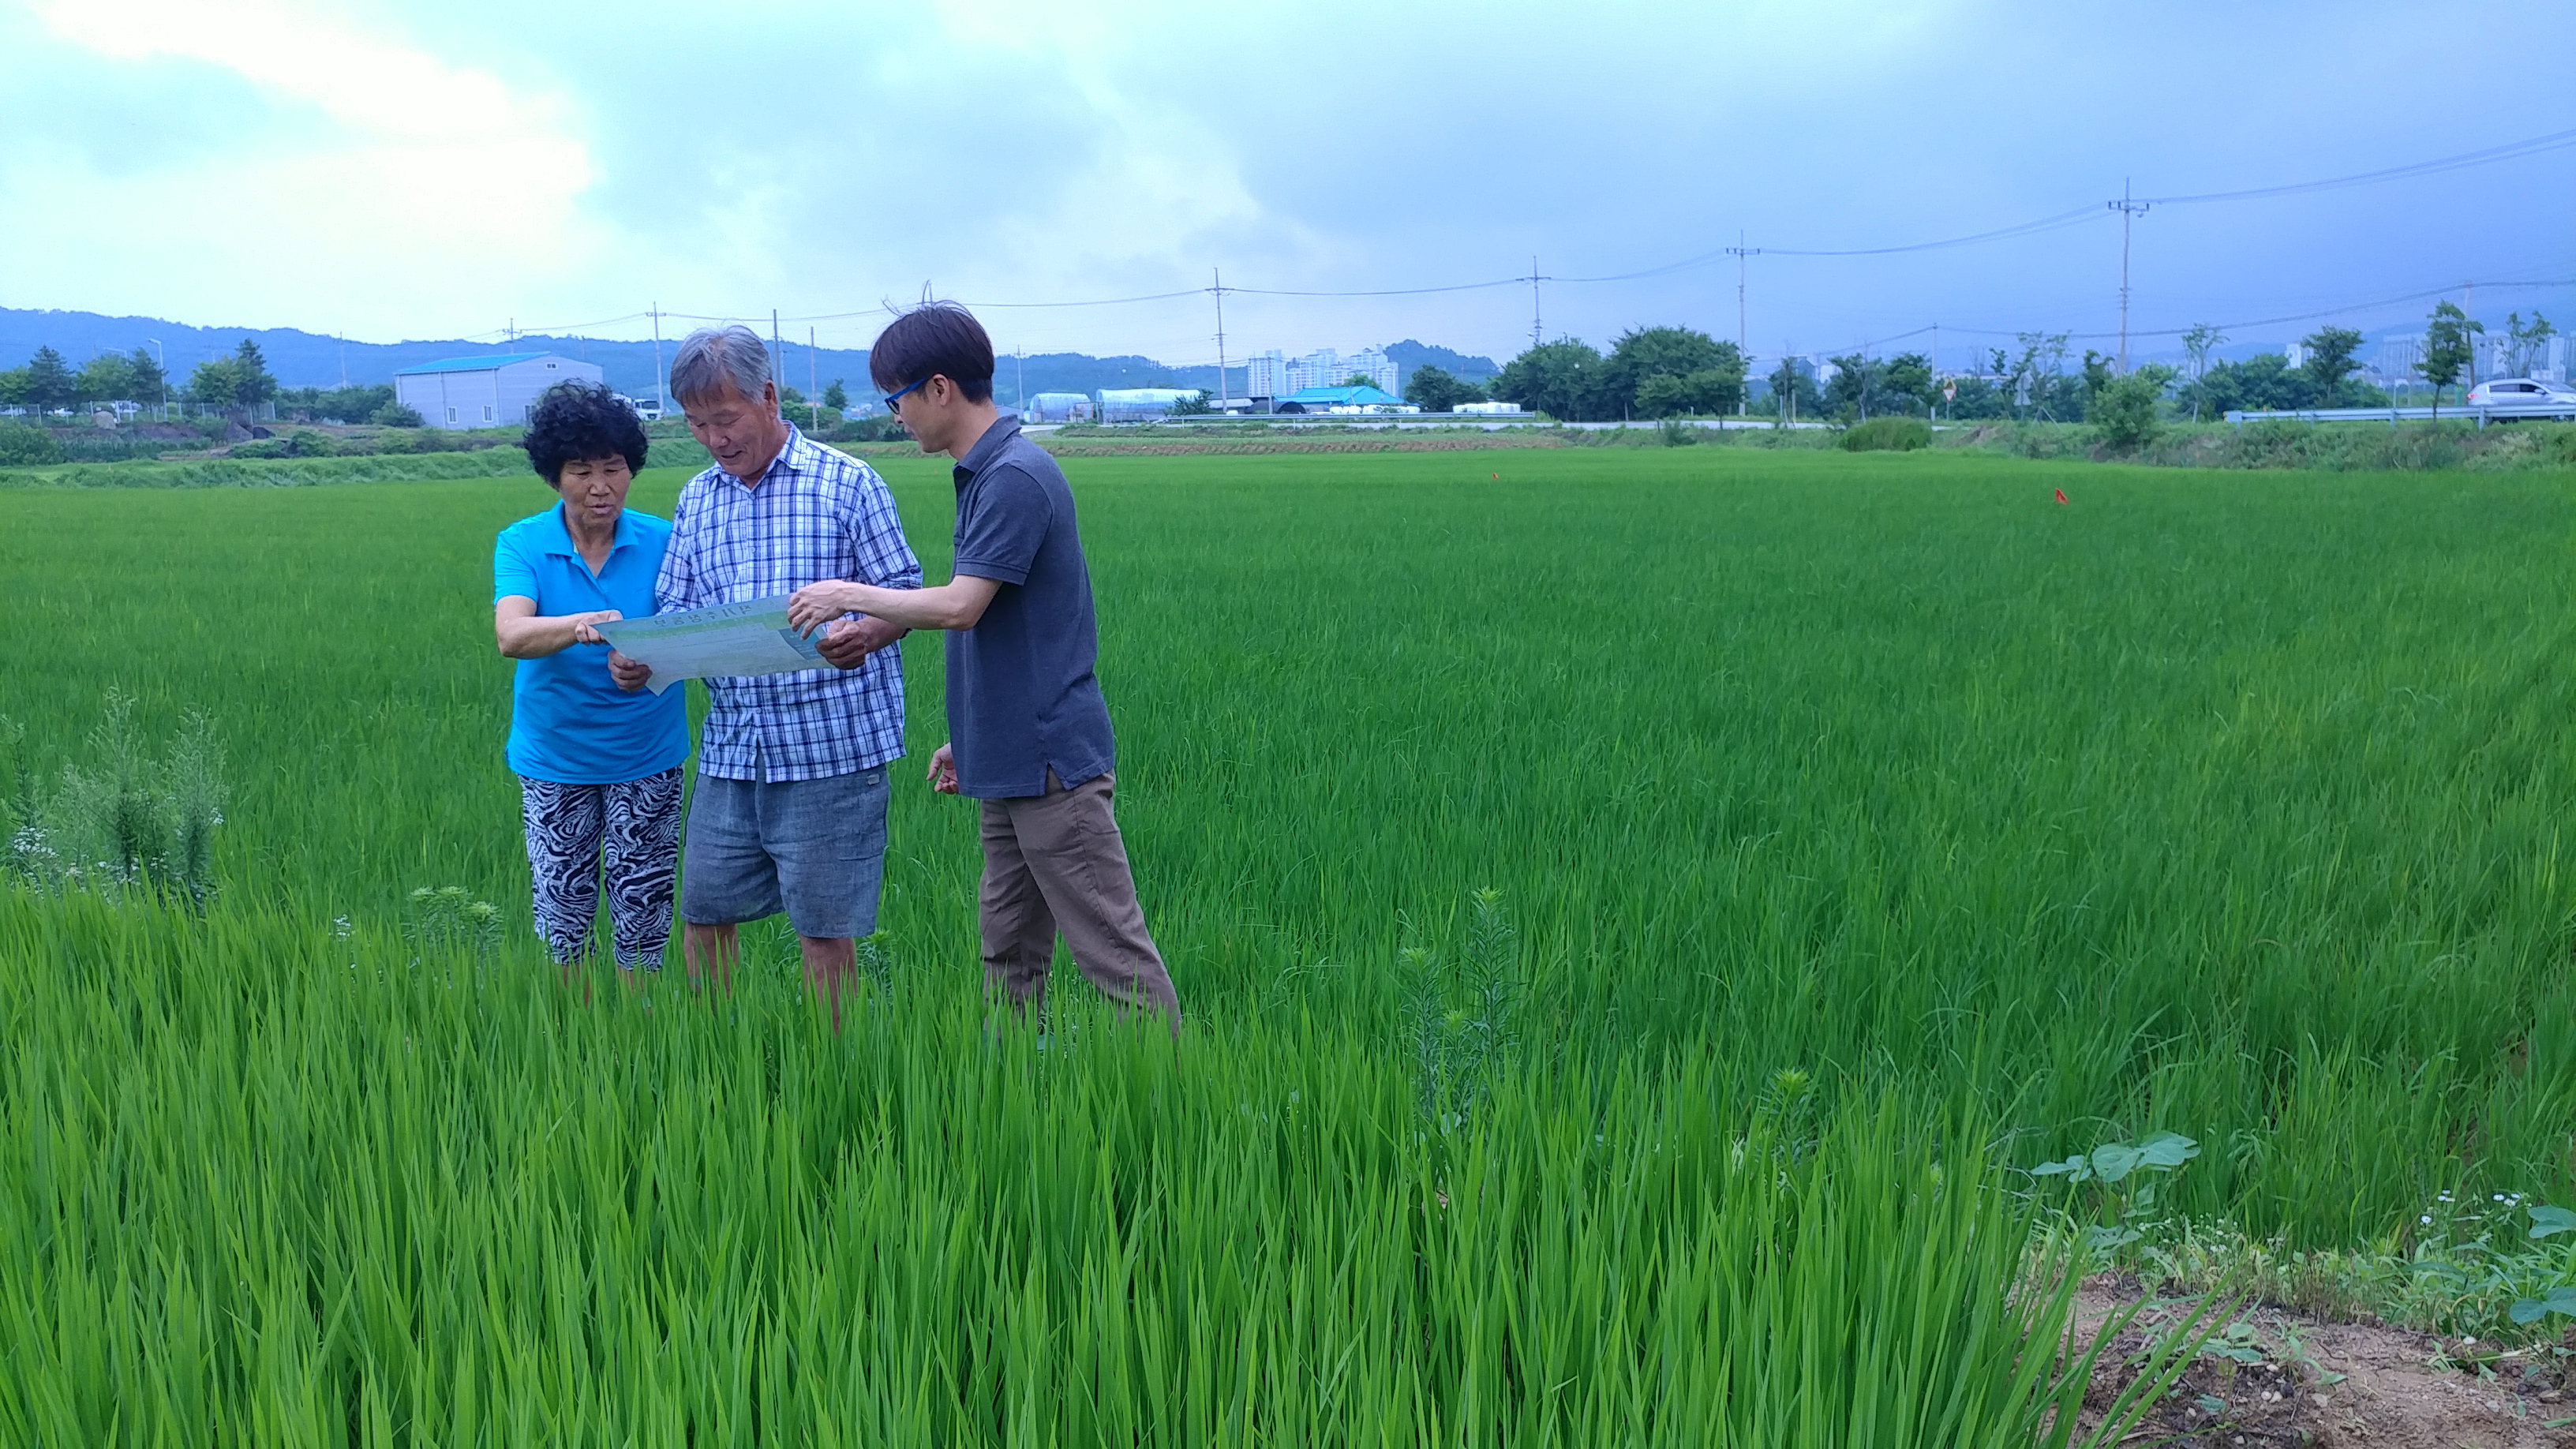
(1636, 912)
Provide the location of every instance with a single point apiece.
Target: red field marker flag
(2061, 495)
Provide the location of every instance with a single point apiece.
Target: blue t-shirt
(569, 722)
(1022, 698)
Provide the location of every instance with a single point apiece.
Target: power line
(2128, 207)
(2511, 151)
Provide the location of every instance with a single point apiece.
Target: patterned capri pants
(636, 825)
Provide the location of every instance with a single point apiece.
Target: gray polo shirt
(1022, 698)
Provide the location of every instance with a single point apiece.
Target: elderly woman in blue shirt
(598, 766)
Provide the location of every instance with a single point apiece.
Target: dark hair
(574, 421)
(941, 338)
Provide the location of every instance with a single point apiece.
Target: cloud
(324, 174)
(427, 169)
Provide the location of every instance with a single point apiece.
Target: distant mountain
(1409, 354)
(307, 359)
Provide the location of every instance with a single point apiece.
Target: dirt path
(2292, 1380)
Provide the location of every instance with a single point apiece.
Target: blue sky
(443, 170)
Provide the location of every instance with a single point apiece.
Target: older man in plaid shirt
(789, 808)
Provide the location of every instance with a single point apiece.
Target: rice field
(1637, 912)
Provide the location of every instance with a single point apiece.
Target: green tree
(1709, 391)
(2125, 407)
(1852, 389)
(251, 383)
(214, 383)
(1196, 404)
(2197, 343)
(2330, 351)
(1560, 378)
(2447, 349)
(106, 378)
(16, 385)
(1645, 354)
(2097, 376)
(1906, 380)
(2526, 343)
(1438, 390)
(1793, 392)
(1359, 379)
(50, 384)
(150, 383)
(835, 396)
(2037, 377)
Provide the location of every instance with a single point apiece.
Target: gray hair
(712, 359)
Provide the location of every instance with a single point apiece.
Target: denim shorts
(812, 848)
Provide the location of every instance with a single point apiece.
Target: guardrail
(2500, 412)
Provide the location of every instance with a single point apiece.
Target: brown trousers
(1054, 862)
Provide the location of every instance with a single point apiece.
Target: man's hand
(849, 642)
(583, 631)
(820, 603)
(630, 674)
(943, 771)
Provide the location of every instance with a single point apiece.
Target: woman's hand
(630, 674)
(523, 633)
(943, 771)
(820, 604)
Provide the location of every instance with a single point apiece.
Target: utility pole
(2468, 290)
(777, 354)
(1020, 371)
(344, 360)
(1216, 280)
(813, 376)
(1534, 280)
(661, 393)
(2129, 211)
(1743, 347)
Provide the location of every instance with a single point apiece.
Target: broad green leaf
(2167, 1149)
(2547, 1221)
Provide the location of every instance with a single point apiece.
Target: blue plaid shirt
(816, 514)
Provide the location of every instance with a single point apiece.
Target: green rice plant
(292, 1202)
(2218, 803)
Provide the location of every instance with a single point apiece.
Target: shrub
(21, 445)
(394, 415)
(1679, 434)
(881, 429)
(306, 443)
(258, 448)
(2125, 411)
(1888, 435)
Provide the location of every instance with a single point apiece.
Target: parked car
(2523, 392)
(646, 409)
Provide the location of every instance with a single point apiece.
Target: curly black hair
(577, 420)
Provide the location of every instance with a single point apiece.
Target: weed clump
(1888, 435)
(130, 819)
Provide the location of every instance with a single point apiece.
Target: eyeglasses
(895, 397)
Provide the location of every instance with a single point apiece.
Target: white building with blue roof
(485, 392)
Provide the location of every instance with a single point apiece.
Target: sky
(451, 170)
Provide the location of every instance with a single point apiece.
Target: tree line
(1663, 372)
(237, 382)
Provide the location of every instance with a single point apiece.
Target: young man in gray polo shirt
(1028, 730)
